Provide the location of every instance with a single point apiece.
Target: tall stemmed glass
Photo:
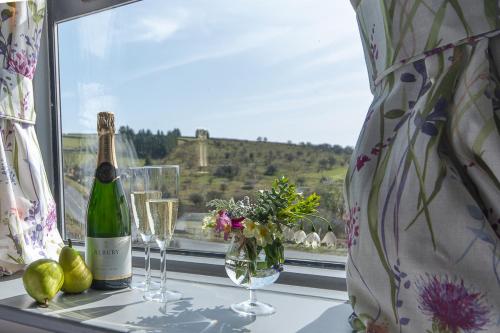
(162, 217)
(138, 196)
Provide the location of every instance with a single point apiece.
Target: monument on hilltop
(202, 138)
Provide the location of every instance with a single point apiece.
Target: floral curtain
(28, 228)
(423, 186)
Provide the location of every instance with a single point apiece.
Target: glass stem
(253, 296)
(147, 266)
(163, 270)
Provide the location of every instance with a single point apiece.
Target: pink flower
(361, 160)
(453, 308)
(236, 223)
(223, 224)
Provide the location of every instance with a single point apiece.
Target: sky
(281, 69)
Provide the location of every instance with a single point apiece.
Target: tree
(147, 144)
(332, 161)
(323, 164)
(337, 149)
(227, 171)
(196, 199)
(348, 150)
(126, 132)
(271, 170)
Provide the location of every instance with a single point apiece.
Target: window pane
(237, 93)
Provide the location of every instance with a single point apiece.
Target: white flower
(299, 236)
(250, 229)
(288, 233)
(208, 222)
(329, 239)
(312, 240)
(263, 235)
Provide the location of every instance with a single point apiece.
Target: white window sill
(205, 307)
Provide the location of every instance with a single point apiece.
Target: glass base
(141, 285)
(253, 308)
(163, 297)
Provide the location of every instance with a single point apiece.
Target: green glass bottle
(108, 243)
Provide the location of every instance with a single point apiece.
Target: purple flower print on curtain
(21, 63)
(452, 306)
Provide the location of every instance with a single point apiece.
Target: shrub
(247, 186)
(196, 199)
(271, 170)
(323, 164)
(213, 195)
(227, 171)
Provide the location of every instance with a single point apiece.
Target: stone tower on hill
(202, 138)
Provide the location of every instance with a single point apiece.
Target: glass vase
(246, 266)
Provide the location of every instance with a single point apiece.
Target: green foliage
(282, 204)
(149, 145)
(237, 209)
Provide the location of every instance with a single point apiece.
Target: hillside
(236, 167)
(222, 168)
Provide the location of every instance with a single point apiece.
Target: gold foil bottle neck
(105, 122)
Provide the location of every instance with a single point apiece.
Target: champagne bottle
(108, 242)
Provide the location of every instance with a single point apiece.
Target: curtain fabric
(423, 185)
(28, 229)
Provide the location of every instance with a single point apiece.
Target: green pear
(43, 279)
(77, 276)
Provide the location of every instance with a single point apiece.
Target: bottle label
(105, 172)
(109, 258)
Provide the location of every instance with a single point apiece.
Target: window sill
(317, 277)
(205, 307)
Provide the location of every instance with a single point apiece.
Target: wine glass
(252, 271)
(161, 211)
(138, 197)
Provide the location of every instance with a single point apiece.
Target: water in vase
(239, 271)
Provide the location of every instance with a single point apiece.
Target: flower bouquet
(256, 254)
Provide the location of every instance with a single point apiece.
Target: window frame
(49, 124)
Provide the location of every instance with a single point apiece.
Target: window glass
(235, 92)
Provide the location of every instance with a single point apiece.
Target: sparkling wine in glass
(138, 198)
(162, 216)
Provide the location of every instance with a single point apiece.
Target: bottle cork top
(106, 122)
